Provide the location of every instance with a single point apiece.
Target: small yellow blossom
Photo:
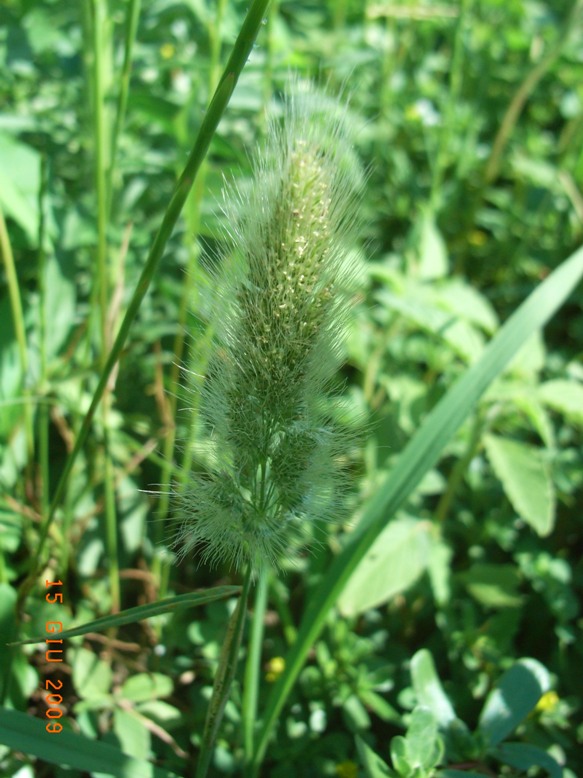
(548, 702)
(167, 50)
(275, 668)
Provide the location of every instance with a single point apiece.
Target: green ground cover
(433, 629)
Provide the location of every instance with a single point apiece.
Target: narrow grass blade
(141, 612)
(212, 117)
(419, 456)
(24, 733)
(223, 679)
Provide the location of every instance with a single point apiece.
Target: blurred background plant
(472, 116)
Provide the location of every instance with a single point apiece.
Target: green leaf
(525, 477)
(524, 756)
(141, 612)
(439, 570)
(22, 732)
(423, 741)
(467, 303)
(92, 677)
(146, 686)
(418, 458)
(495, 586)
(564, 396)
(429, 690)
(374, 766)
(433, 260)
(133, 736)
(396, 560)
(515, 695)
(400, 756)
(19, 184)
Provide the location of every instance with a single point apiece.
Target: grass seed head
(283, 308)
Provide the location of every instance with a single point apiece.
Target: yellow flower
(547, 702)
(167, 50)
(275, 668)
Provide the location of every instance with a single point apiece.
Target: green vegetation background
(470, 120)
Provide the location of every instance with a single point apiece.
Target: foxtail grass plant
(281, 309)
(281, 305)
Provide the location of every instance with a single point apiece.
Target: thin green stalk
(253, 665)
(131, 27)
(99, 37)
(219, 102)
(223, 679)
(19, 329)
(420, 454)
(43, 408)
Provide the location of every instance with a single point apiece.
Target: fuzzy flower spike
(281, 312)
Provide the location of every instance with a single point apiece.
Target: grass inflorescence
(281, 313)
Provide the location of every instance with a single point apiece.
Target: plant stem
(43, 407)
(253, 664)
(223, 678)
(102, 174)
(132, 18)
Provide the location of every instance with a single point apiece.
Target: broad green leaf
(374, 766)
(92, 677)
(418, 307)
(400, 756)
(439, 570)
(429, 690)
(518, 396)
(423, 740)
(419, 456)
(495, 586)
(395, 562)
(19, 184)
(530, 359)
(465, 302)
(146, 686)
(141, 612)
(564, 396)
(133, 736)
(515, 695)
(433, 261)
(22, 732)
(523, 756)
(525, 477)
